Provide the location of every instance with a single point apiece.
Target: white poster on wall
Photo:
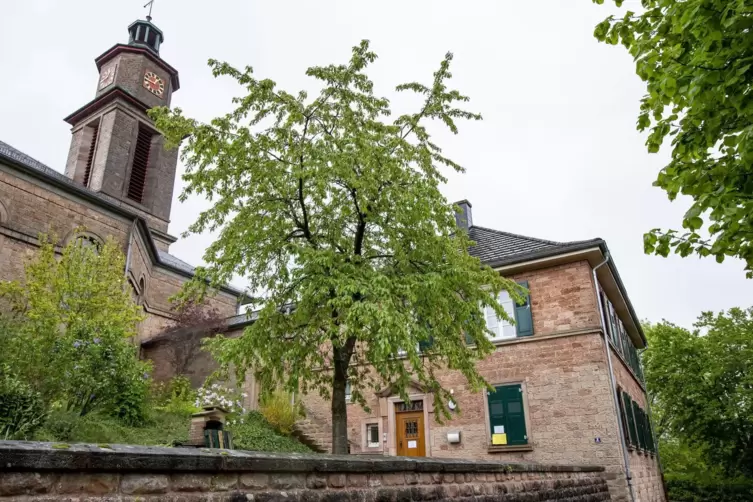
(412, 444)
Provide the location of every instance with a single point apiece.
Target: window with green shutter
(507, 421)
(650, 431)
(628, 407)
(523, 317)
(639, 425)
(424, 345)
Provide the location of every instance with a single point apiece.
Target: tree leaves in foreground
(66, 328)
(696, 57)
(702, 384)
(331, 210)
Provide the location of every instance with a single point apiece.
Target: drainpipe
(130, 245)
(615, 397)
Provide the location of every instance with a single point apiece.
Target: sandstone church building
(118, 180)
(567, 379)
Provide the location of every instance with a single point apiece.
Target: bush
(688, 489)
(22, 410)
(160, 429)
(279, 410)
(253, 432)
(72, 319)
(174, 396)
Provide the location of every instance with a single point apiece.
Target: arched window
(142, 291)
(3, 214)
(85, 239)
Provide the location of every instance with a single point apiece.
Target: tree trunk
(339, 412)
(341, 360)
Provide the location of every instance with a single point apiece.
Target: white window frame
(369, 443)
(503, 329)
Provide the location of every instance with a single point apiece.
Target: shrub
(253, 432)
(278, 409)
(159, 429)
(175, 396)
(22, 410)
(73, 318)
(689, 489)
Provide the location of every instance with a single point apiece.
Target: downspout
(615, 397)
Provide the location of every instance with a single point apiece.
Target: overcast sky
(557, 155)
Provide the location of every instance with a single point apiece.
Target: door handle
(401, 444)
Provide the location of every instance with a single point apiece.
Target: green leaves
(700, 385)
(695, 57)
(71, 335)
(331, 210)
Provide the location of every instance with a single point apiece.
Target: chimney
(463, 217)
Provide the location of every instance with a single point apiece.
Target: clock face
(107, 76)
(154, 84)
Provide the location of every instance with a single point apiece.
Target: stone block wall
(44, 472)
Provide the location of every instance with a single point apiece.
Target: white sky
(557, 155)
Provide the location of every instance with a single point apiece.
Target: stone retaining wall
(61, 472)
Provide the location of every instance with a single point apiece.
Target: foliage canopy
(702, 384)
(67, 326)
(332, 212)
(696, 57)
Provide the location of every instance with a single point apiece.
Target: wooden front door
(410, 434)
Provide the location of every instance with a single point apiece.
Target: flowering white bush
(222, 397)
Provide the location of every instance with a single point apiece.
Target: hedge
(686, 489)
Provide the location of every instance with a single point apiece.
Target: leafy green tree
(332, 212)
(71, 319)
(702, 384)
(696, 57)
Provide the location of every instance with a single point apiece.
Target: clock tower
(115, 148)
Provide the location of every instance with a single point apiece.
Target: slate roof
(495, 248)
(12, 154)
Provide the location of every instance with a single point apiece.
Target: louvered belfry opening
(140, 164)
(90, 157)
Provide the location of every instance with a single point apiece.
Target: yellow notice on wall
(499, 438)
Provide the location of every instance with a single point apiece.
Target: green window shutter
(523, 318)
(425, 345)
(613, 324)
(650, 430)
(506, 410)
(605, 309)
(628, 406)
(623, 416)
(639, 426)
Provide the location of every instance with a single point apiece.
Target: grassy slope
(164, 429)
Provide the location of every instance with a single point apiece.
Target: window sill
(509, 448)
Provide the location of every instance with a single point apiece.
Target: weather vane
(149, 4)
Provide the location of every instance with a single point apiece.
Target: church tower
(115, 148)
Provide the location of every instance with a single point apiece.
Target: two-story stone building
(567, 378)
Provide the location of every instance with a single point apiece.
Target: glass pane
(412, 406)
(411, 427)
(514, 407)
(497, 408)
(491, 320)
(373, 433)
